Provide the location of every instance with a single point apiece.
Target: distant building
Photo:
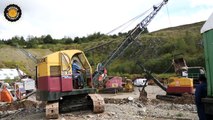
(7, 73)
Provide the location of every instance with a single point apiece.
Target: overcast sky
(72, 18)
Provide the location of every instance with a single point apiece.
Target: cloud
(70, 18)
(83, 17)
(197, 3)
(181, 12)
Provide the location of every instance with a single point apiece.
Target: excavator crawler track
(98, 103)
(93, 102)
(166, 97)
(75, 103)
(52, 111)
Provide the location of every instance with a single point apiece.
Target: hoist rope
(170, 23)
(128, 22)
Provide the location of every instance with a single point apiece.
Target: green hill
(155, 50)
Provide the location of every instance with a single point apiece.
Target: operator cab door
(66, 76)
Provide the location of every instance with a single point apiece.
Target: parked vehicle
(140, 82)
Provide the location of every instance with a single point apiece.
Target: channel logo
(12, 12)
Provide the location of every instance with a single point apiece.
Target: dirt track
(130, 110)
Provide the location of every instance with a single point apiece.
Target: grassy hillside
(155, 50)
(12, 57)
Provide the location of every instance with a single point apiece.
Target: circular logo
(12, 12)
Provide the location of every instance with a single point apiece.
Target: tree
(32, 43)
(48, 39)
(77, 40)
(14, 41)
(67, 40)
(2, 41)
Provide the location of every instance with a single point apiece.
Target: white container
(29, 84)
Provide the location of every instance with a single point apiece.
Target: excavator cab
(55, 75)
(82, 77)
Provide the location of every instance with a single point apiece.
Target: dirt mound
(156, 101)
(185, 99)
(26, 104)
(143, 96)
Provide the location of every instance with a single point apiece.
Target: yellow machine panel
(50, 65)
(180, 82)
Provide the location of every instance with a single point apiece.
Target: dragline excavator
(57, 86)
(131, 37)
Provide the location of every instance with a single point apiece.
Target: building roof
(208, 24)
(7, 73)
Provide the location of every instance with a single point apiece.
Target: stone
(63, 118)
(130, 98)
(89, 116)
(139, 105)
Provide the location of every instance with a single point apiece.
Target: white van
(140, 82)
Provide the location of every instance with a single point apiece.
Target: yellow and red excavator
(56, 84)
(176, 86)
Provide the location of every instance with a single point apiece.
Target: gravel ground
(122, 109)
(128, 111)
